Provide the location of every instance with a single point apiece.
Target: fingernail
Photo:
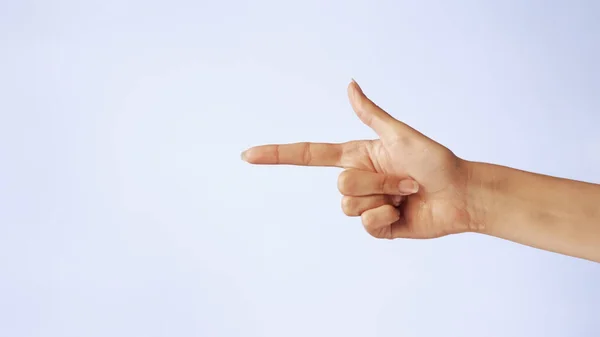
(353, 92)
(356, 93)
(243, 155)
(408, 186)
(357, 86)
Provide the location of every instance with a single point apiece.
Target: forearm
(550, 213)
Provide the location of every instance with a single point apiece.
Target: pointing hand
(403, 185)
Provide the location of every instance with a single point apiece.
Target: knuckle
(349, 206)
(375, 232)
(369, 221)
(307, 154)
(277, 151)
(379, 233)
(345, 182)
(378, 224)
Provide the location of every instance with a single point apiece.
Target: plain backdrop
(125, 209)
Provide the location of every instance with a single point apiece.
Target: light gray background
(126, 211)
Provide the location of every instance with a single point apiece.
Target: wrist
(483, 184)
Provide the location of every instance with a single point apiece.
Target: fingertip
(367, 111)
(250, 156)
(395, 213)
(372, 115)
(354, 91)
(351, 91)
(352, 82)
(355, 85)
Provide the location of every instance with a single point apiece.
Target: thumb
(386, 126)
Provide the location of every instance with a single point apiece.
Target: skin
(405, 185)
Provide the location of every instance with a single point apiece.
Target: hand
(441, 205)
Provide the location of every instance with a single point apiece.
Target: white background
(126, 211)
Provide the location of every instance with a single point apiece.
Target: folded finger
(377, 221)
(355, 206)
(362, 183)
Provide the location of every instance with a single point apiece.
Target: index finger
(303, 154)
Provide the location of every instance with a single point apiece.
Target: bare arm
(545, 212)
(405, 185)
